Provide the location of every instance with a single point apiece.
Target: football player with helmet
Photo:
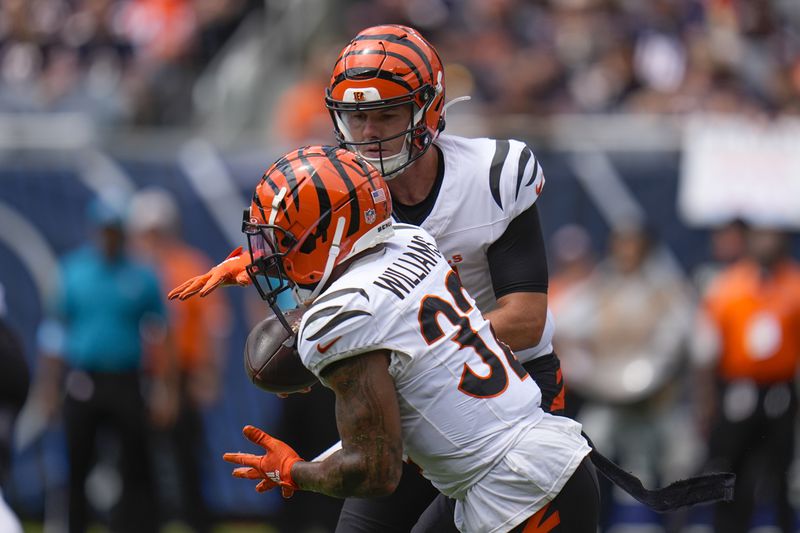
(475, 196)
(415, 367)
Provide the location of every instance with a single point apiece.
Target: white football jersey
(486, 184)
(465, 402)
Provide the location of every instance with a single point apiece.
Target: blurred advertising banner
(733, 167)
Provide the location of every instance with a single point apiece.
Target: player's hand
(274, 468)
(232, 271)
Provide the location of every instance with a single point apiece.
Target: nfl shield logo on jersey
(369, 216)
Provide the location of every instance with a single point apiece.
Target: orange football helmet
(314, 208)
(384, 67)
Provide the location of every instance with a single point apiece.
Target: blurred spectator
(114, 60)
(162, 33)
(728, 245)
(746, 389)
(574, 262)
(59, 56)
(107, 300)
(160, 30)
(14, 380)
(199, 329)
(621, 335)
(300, 113)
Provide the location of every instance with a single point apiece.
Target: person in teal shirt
(103, 301)
(107, 299)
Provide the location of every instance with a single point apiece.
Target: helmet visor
(266, 265)
(262, 244)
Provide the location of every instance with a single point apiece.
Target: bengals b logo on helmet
(317, 206)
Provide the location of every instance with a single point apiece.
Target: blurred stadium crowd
(628, 275)
(120, 61)
(584, 56)
(134, 61)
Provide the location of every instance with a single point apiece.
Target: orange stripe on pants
(540, 523)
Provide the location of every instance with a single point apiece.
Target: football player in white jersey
(415, 367)
(475, 196)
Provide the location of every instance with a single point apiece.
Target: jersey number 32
(496, 382)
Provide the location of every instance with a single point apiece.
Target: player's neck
(415, 184)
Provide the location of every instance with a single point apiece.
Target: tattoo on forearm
(371, 447)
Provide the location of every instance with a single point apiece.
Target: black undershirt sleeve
(517, 260)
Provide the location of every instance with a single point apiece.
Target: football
(270, 356)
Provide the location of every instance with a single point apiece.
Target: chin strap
(708, 488)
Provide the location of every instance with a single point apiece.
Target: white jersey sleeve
(515, 178)
(486, 185)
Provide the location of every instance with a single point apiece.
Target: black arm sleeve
(517, 260)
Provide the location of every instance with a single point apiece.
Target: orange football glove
(274, 468)
(232, 271)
